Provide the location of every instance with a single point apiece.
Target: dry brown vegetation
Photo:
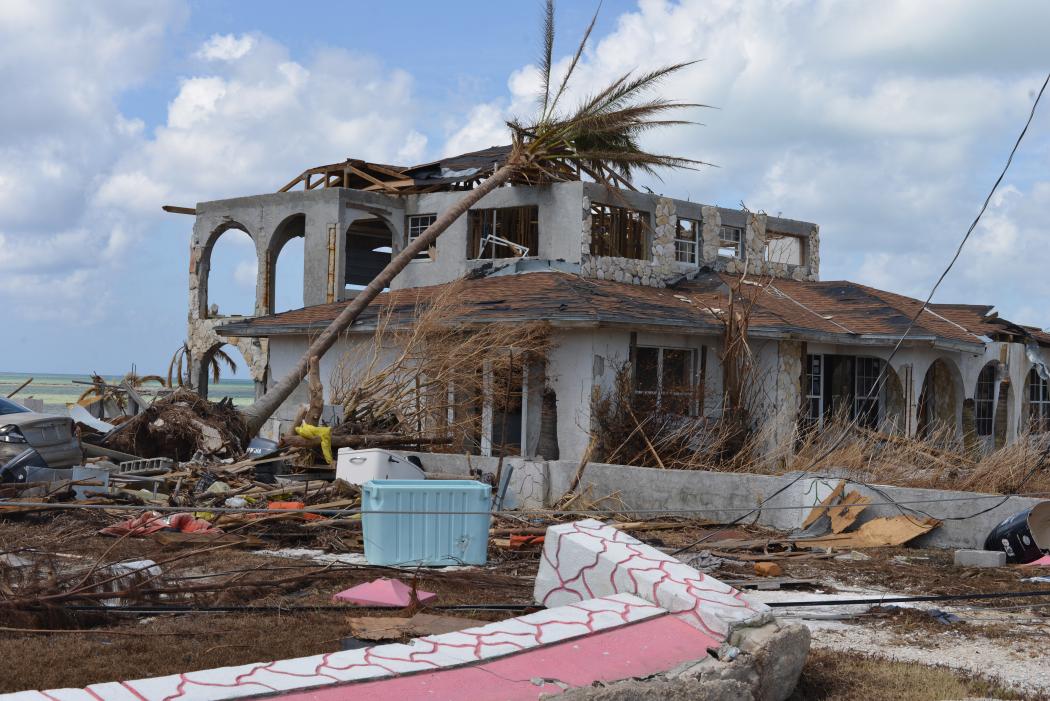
(626, 434)
(831, 675)
(425, 379)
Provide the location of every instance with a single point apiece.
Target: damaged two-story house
(623, 277)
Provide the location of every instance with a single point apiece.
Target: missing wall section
(506, 232)
(619, 232)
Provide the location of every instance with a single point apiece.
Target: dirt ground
(843, 676)
(73, 651)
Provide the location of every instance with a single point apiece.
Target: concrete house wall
(582, 361)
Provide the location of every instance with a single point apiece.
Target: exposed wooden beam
(372, 179)
(172, 209)
(386, 171)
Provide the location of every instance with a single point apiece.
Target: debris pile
(180, 426)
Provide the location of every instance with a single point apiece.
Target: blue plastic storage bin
(455, 531)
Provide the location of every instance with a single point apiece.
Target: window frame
(629, 227)
(694, 401)
(1039, 405)
(984, 406)
(866, 371)
(691, 247)
(411, 226)
(476, 230)
(737, 244)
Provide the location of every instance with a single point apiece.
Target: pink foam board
(382, 592)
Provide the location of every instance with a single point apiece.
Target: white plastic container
(360, 466)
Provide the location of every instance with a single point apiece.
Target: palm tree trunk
(264, 407)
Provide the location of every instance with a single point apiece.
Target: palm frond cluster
(600, 136)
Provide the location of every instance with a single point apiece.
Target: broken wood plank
(879, 532)
(846, 512)
(822, 508)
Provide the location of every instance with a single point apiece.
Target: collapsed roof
(835, 312)
(460, 172)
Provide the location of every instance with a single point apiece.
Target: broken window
(506, 232)
(415, 225)
(984, 400)
(1038, 402)
(843, 387)
(783, 248)
(665, 380)
(686, 238)
(730, 241)
(619, 232)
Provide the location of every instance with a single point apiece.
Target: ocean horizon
(60, 389)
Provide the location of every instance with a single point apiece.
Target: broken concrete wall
(723, 497)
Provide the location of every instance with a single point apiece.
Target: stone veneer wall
(662, 266)
(655, 272)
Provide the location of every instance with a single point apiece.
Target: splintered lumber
(876, 533)
(846, 512)
(823, 507)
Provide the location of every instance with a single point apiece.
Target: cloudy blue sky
(884, 122)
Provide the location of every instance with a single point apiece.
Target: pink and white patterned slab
(587, 559)
(424, 654)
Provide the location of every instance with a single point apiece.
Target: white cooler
(360, 466)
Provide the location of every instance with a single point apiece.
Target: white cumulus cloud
(225, 47)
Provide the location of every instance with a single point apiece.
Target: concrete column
(316, 252)
(711, 232)
(783, 414)
(755, 241)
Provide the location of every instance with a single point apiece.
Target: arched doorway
(227, 273)
(940, 404)
(285, 270)
(369, 246)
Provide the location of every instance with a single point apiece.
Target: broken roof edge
(243, 329)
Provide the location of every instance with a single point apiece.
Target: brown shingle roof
(837, 310)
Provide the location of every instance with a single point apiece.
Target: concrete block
(980, 558)
(587, 559)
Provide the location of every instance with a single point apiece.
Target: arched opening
(223, 372)
(285, 272)
(227, 276)
(1037, 399)
(368, 250)
(939, 402)
(984, 400)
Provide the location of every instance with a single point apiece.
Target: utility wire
(72, 506)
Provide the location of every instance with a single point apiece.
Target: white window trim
(817, 420)
(410, 237)
(736, 244)
(689, 246)
(1039, 407)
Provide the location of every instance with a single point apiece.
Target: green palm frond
(224, 357)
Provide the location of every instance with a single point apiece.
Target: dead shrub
(426, 376)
